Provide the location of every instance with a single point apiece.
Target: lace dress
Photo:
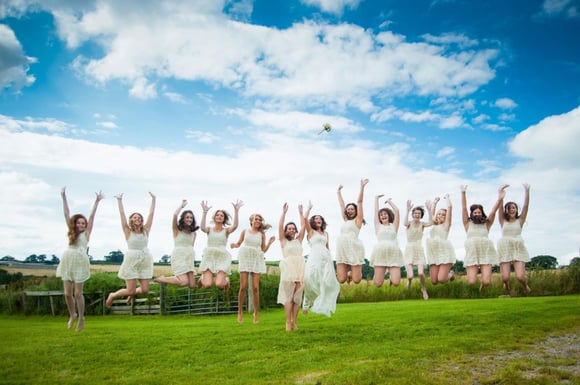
(137, 262)
(74, 264)
(216, 257)
(321, 288)
(511, 245)
(349, 249)
(387, 251)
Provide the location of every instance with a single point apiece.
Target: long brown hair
(73, 233)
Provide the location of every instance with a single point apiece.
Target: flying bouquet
(325, 128)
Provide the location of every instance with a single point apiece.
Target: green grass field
(530, 340)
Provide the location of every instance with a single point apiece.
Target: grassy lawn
(530, 340)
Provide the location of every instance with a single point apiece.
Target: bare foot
(81, 324)
(256, 318)
(109, 302)
(71, 321)
(528, 289)
(129, 300)
(305, 312)
(425, 294)
(408, 284)
(288, 326)
(294, 326)
(451, 276)
(240, 318)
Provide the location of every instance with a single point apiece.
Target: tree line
(540, 262)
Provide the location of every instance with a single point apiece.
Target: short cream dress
(74, 264)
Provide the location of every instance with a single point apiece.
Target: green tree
(575, 262)
(165, 259)
(542, 262)
(32, 258)
(8, 258)
(54, 260)
(459, 267)
(114, 256)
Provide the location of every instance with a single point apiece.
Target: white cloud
(48, 124)
(109, 125)
(445, 152)
(565, 8)
(332, 6)
(505, 104)
(14, 64)
(553, 142)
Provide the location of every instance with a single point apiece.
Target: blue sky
(223, 100)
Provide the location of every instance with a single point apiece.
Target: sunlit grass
(401, 342)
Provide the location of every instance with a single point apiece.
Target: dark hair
(505, 210)
(355, 211)
(483, 218)
(73, 234)
(421, 209)
(181, 223)
(286, 228)
(389, 213)
(313, 225)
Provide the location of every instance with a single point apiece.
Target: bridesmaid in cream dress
(414, 252)
(137, 263)
(511, 247)
(350, 251)
(253, 246)
(440, 251)
(480, 254)
(183, 255)
(292, 265)
(216, 259)
(386, 255)
(74, 266)
(321, 289)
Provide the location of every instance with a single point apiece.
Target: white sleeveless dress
(137, 262)
(291, 271)
(511, 245)
(387, 251)
(349, 248)
(74, 264)
(439, 249)
(321, 288)
(250, 256)
(215, 256)
(183, 254)
(479, 249)
(414, 252)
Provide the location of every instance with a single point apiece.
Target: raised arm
(149, 222)
(524, 213)
(307, 222)
(397, 218)
(377, 221)
(175, 221)
(124, 225)
(65, 206)
(302, 215)
(430, 215)
(281, 234)
(449, 216)
(359, 202)
(433, 208)
(98, 197)
(498, 202)
(409, 207)
(464, 214)
(205, 208)
(341, 202)
(234, 226)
